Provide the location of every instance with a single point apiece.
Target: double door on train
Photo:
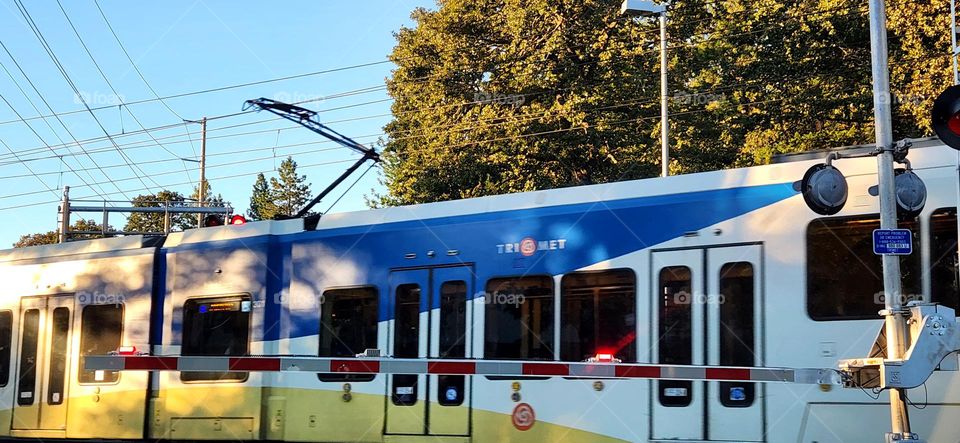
(43, 363)
(430, 309)
(707, 311)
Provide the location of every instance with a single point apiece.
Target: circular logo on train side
(528, 246)
(523, 417)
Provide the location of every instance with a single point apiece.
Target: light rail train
(719, 268)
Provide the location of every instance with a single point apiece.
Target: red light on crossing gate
(238, 220)
(604, 358)
(127, 350)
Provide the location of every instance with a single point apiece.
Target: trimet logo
(529, 246)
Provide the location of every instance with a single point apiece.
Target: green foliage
(290, 191)
(262, 206)
(154, 222)
(52, 237)
(284, 196)
(209, 198)
(497, 96)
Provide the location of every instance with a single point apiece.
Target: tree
(492, 96)
(154, 222)
(52, 237)
(262, 206)
(289, 192)
(210, 199)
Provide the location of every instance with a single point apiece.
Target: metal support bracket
(934, 339)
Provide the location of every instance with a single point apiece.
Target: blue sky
(181, 47)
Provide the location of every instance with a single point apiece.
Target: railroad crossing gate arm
(501, 368)
(934, 339)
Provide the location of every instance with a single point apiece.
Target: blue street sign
(892, 242)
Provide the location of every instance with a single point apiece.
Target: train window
(675, 346)
(406, 341)
(348, 326)
(519, 318)
(30, 341)
(737, 335)
(58, 355)
(101, 328)
(6, 341)
(944, 287)
(598, 314)
(452, 344)
(216, 326)
(844, 276)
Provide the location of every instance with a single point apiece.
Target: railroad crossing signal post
(895, 320)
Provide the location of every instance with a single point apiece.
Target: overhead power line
(63, 72)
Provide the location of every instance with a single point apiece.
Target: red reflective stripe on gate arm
(727, 374)
(254, 364)
(449, 367)
(638, 371)
(546, 369)
(149, 363)
(360, 366)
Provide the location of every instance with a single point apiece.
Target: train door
(430, 312)
(677, 281)
(734, 410)
(409, 296)
(450, 312)
(707, 312)
(42, 366)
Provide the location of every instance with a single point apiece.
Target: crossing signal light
(212, 220)
(238, 220)
(824, 189)
(946, 116)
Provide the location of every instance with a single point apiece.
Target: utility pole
(201, 189)
(664, 100)
(895, 321)
(64, 215)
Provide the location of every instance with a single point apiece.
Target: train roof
(83, 247)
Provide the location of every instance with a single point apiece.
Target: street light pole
(895, 321)
(645, 8)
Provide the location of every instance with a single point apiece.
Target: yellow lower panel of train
(106, 415)
(496, 427)
(234, 413)
(211, 412)
(317, 415)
